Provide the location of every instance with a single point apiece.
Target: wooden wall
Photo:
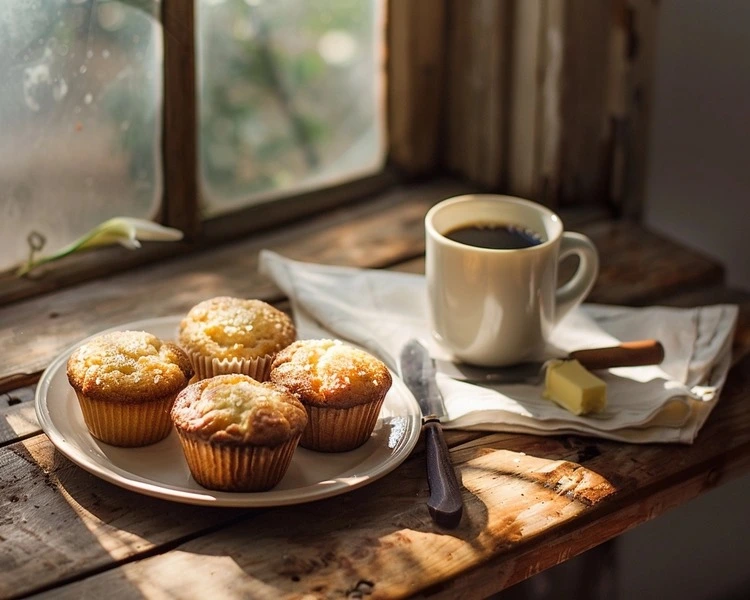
(546, 99)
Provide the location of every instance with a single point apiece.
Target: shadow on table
(65, 522)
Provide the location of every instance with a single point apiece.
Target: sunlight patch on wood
(190, 575)
(22, 421)
(119, 542)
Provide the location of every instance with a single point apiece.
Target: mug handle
(574, 291)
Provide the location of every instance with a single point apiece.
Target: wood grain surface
(637, 268)
(530, 502)
(180, 121)
(415, 99)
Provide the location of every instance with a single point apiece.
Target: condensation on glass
(290, 97)
(80, 118)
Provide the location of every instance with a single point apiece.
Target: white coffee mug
(496, 307)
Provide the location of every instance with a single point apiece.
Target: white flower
(126, 231)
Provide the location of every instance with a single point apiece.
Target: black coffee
(495, 236)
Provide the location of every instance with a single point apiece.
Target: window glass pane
(80, 116)
(290, 96)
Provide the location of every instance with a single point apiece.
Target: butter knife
(418, 372)
(627, 354)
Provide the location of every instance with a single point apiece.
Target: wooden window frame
(182, 190)
(181, 198)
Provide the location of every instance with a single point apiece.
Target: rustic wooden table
(531, 502)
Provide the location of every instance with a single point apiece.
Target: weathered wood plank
(123, 524)
(588, 73)
(58, 521)
(526, 78)
(102, 518)
(416, 41)
(639, 267)
(476, 90)
(506, 569)
(694, 470)
(456, 148)
(641, 21)
(579, 99)
(621, 465)
(531, 503)
(17, 417)
(521, 493)
(509, 497)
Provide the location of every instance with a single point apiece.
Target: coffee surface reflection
(495, 236)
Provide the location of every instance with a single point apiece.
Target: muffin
(238, 434)
(234, 335)
(341, 387)
(126, 383)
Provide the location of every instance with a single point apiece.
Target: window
(289, 96)
(80, 115)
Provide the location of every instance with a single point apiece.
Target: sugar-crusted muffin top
(330, 373)
(227, 328)
(237, 409)
(128, 366)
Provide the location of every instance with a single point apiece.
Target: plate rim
(205, 497)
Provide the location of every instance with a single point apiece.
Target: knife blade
(418, 373)
(627, 354)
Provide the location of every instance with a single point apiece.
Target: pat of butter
(574, 388)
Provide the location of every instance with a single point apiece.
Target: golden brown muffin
(234, 335)
(126, 382)
(341, 387)
(238, 434)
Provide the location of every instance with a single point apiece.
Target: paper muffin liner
(128, 424)
(235, 468)
(339, 429)
(205, 366)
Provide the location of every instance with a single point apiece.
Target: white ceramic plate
(160, 469)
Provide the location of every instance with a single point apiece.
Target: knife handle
(445, 502)
(627, 354)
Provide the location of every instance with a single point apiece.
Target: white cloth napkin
(381, 310)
